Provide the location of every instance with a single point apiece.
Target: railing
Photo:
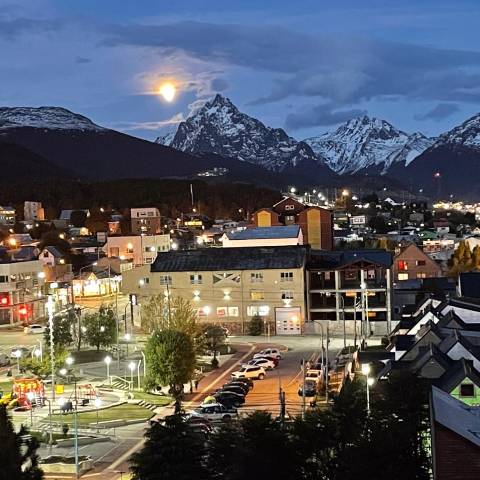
(126, 383)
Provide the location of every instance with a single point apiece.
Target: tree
(62, 331)
(462, 260)
(100, 328)
(18, 455)
(172, 451)
(214, 336)
(255, 327)
(170, 357)
(44, 366)
(78, 218)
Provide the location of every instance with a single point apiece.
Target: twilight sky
(304, 65)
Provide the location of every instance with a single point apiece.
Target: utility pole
(326, 369)
(355, 321)
(304, 406)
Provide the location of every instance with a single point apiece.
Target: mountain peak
(55, 118)
(466, 134)
(219, 101)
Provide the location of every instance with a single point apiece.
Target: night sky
(302, 65)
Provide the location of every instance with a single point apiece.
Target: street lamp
(98, 403)
(370, 382)
(31, 396)
(18, 354)
(107, 361)
(131, 367)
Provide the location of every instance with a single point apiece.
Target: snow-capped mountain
(166, 139)
(367, 143)
(467, 134)
(53, 118)
(219, 127)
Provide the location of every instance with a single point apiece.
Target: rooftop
(288, 231)
(326, 260)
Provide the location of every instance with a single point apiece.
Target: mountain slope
(451, 165)
(367, 143)
(219, 127)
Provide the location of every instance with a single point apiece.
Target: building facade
(412, 263)
(21, 292)
(145, 221)
(33, 211)
(315, 222)
(350, 291)
(140, 249)
(230, 286)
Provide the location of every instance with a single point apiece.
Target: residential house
(229, 286)
(412, 263)
(455, 438)
(315, 222)
(264, 237)
(462, 381)
(145, 221)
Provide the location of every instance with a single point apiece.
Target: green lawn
(159, 400)
(120, 412)
(6, 387)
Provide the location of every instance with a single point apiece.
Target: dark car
(310, 389)
(229, 399)
(244, 387)
(243, 380)
(235, 388)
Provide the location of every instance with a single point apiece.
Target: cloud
(340, 69)
(131, 126)
(320, 115)
(82, 60)
(439, 112)
(219, 84)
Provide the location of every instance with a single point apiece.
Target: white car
(262, 362)
(250, 371)
(214, 412)
(34, 328)
(313, 375)
(269, 352)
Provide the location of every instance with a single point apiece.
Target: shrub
(255, 327)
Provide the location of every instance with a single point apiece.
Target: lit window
(402, 265)
(165, 279)
(257, 295)
(195, 279)
(403, 276)
(286, 276)
(421, 275)
(256, 277)
(261, 310)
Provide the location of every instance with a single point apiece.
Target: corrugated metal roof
(283, 231)
(236, 258)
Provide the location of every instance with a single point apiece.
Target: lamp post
(18, 354)
(131, 367)
(97, 403)
(370, 382)
(31, 396)
(107, 361)
(69, 361)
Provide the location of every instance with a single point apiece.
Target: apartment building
(21, 287)
(145, 221)
(349, 290)
(33, 211)
(230, 285)
(140, 249)
(315, 222)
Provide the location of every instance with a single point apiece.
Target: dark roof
(457, 337)
(454, 375)
(329, 260)
(282, 231)
(54, 251)
(236, 258)
(470, 284)
(403, 342)
(428, 353)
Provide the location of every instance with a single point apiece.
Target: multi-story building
(140, 249)
(315, 222)
(33, 211)
(349, 290)
(231, 285)
(7, 215)
(21, 291)
(412, 263)
(145, 221)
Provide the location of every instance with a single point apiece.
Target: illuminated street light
(108, 360)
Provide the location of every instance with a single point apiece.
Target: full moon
(167, 91)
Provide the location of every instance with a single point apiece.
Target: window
(403, 276)
(114, 251)
(402, 265)
(287, 294)
(289, 207)
(290, 218)
(222, 311)
(3, 278)
(371, 274)
(45, 254)
(233, 311)
(256, 277)
(227, 277)
(144, 281)
(350, 274)
(421, 263)
(257, 295)
(195, 279)
(286, 276)
(165, 279)
(467, 390)
(261, 310)
(421, 275)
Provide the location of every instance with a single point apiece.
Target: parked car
(35, 328)
(241, 390)
(263, 362)
(310, 389)
(250, 371)
(314, 375)
(270, 352)
(24, 352)
(275, 360)
(248, 382)
(4, 360)
(215, 412)
(229, 399)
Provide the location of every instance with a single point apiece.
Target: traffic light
(4, 299)
(133, 299)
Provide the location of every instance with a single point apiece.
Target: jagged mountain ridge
(367, 143)
(219, 127)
